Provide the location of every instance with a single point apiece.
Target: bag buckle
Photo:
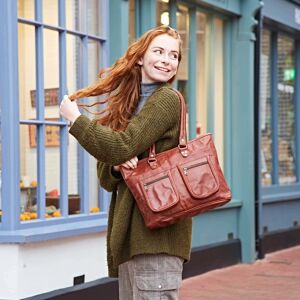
(152, 162)
(183, 150)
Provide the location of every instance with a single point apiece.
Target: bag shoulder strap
(182, 143)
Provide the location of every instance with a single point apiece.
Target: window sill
(36, 234)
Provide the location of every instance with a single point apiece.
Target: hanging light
(164, 18)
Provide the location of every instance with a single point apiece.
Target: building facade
(238, 76)
(277, 111)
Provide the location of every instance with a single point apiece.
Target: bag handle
(182, 144)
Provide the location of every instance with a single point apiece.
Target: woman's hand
(69, 109)
(130, 164)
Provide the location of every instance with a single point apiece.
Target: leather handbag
(178, 183)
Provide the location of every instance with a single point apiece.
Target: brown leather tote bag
(178, 183)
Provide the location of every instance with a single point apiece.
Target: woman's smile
(162, 69)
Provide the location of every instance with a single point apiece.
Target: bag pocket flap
(159, 191)
(151, 281)
(199, 177)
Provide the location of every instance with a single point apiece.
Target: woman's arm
(159, 114)
(109, 176)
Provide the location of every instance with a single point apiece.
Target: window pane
(85, 16)
(218, 90)
(27, 80)
(131, 21)
(94, 49)
(52, 171)
(28, 172)
(50, 12)
(73, 51)
(73, 175)
(94, 19)
(183, 29)
(265, 111)
(51, 74)
(286, 126)
(26, 9)
(201, 73)
(71, 10)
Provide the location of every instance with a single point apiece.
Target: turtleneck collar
(148, 88)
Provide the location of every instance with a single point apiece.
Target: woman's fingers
(69, 109)
(131, 164)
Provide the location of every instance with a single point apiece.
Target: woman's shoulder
(165, 97)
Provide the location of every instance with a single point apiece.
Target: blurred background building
(239, 78)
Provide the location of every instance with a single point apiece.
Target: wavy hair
(120, 83)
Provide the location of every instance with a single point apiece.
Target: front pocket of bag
(159, 192)
(199, 178)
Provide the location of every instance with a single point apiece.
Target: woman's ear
(140, 62)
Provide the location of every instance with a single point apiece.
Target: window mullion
(275, 107)
(172, 13)
(9, 115)
(40, 111)
(147, 15)
(63, 201)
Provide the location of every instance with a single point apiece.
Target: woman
(141, 110)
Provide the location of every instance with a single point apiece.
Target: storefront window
(208, 58)
(27, 108)
(284, 113)
(286, 127)
(35, 117)
(209, 77)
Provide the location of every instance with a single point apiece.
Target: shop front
(278, 128)
(52, 207)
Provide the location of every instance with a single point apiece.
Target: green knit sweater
(127, 235)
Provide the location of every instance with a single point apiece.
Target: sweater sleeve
(107, 178)
(114, 148)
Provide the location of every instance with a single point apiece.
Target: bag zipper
(185, 169)
(146, 185)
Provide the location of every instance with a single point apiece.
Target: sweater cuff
(115, 173)
(79, 126)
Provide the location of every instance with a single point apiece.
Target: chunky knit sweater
(127, 235)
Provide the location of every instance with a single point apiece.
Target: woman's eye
(158, 51)
(173, 56)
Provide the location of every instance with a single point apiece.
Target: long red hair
(121, 82)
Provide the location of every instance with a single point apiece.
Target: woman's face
(160, 61)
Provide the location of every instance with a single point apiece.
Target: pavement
(276, 277)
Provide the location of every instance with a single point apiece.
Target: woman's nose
(165, 58)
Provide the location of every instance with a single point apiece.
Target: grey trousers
(150, 277)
